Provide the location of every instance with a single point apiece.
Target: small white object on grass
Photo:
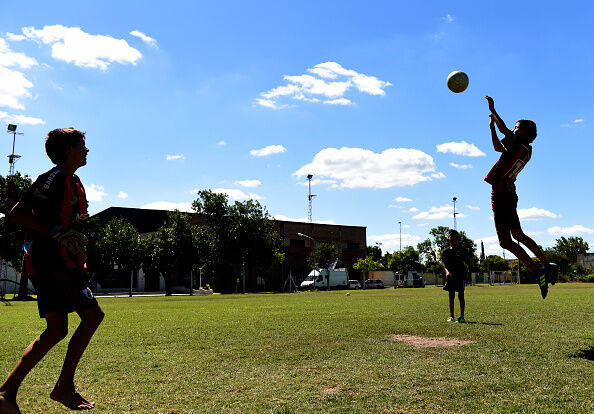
(348, 293)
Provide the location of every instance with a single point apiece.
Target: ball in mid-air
(457, 81)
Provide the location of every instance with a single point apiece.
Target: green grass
(324, 352)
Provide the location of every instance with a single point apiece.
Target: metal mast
(310, 197)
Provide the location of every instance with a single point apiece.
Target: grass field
(324, 352)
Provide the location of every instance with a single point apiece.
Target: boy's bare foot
(8, 405)
(71, 399)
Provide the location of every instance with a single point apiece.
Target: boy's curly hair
(56, 141)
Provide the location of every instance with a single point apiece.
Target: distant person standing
(55, 260)
(456, 269)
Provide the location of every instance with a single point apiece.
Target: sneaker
(541, 278)
(461, 320)
(450, 319)
(554, 273)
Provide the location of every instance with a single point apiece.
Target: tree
(405, 260)
(118, 246)
(324, 255)
(494, 263)
(570, 247)
(241, 238)
(368, 264)
(12, 234)
(555, 256)
(175, 248)
(375, 252)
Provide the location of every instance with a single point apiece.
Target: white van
(339, 279)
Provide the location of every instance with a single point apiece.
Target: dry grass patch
(422, 342)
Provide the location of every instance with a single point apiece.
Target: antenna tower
(310, 197)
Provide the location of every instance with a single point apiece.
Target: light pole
(313, 245)
(400, 225)
(455, 213)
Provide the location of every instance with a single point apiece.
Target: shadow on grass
(585, 353)
(484, 323)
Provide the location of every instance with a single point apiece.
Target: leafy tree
(494, 263)
(118, 245)
(570, 247)
(368, 264)
(375, 252)
(324, 255)
(11, 234)
(405, 260)
(241, 238)
(175, 247)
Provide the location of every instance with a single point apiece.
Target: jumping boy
(51, 211)
(456, 268)
(515, 152)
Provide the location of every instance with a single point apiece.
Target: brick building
(350, 241)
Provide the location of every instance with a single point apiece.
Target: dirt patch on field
(422, 342)
(331, 390)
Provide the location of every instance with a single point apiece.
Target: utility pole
(310, 197)
(455, 228)
(400, 225)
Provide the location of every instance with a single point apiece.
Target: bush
(588, 278)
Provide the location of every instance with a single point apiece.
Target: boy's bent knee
(92, 315)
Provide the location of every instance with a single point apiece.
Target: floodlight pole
(400, 226)
(454, 199)
(310, 197)
(12, 158)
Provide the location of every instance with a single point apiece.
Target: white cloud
(73, 45)
(460, 148)
(235, 194)
(468, 206)
(339, 101)
(358, 167)
(123, 195)
(402, 199)
(15, 37)
(570, 231)
(439, 213)
(222, 143)
(14, 86)
(8, 58)
(391, 241)
(168, 205)
(317, 87)
(248, 183)
(579, 120)
(413, 210)
(448, 18)
(271, 149)
(20, 119)
(461, 166)
(146, 39)
(534, 214)
(95, 192)
(175, 157)
(280, 217)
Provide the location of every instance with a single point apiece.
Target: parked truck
(317, 278)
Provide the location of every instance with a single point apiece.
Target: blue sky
(249, 98)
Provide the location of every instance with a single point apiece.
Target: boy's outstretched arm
(497, 145)
(500, 124)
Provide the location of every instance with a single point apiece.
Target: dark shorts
(66, 291)
(454, 284)
(505, 214)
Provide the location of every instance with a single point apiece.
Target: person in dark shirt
(51, 211)
(456, 269)
(515, 151)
